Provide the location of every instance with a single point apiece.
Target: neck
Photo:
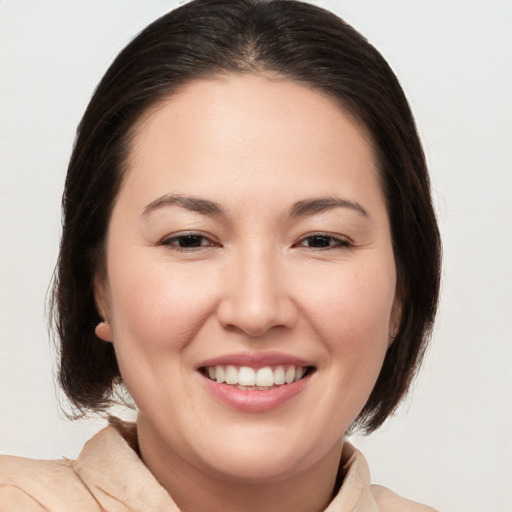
(191, 487)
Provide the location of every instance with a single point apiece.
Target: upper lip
(255, 360)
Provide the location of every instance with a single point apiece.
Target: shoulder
(358, 494)
(388, 501)
(37, 485)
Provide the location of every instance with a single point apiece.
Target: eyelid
(341, 241)
(168, 239)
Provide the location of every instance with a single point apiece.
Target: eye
(188, 241)
(323, 241)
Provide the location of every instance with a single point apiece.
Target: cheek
(354, 307)
(157, 311)
(352, 317)
(156, 306)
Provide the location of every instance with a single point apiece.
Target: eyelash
(173, 241)
(334, 242)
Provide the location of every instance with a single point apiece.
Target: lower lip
(255, 400)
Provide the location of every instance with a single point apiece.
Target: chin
(257, 470)
(264, 459)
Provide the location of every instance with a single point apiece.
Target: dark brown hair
(203, 38)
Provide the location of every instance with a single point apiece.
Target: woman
(250, 251)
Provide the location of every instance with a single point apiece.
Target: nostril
(255, 318)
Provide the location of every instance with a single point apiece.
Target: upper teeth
(262, 377)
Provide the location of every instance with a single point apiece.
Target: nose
(256, 296)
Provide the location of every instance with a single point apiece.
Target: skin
(257, 281)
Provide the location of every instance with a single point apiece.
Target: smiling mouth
(260, 379)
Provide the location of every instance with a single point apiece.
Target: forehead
(251, 131)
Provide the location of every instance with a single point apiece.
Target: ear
(102, 299)
(395, 320)
(104, 331)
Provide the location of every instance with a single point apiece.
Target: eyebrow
(207, 207)
(195, 204)
(318, 205)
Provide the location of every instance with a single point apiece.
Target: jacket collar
(111, 468)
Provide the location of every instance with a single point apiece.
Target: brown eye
(323, 241)
(186, 241)
(190, 241)
(319, 241)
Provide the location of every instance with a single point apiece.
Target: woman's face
(250, 243)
